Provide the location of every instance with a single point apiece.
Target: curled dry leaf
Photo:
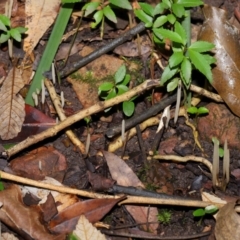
(85, 230)
(12, 105)
(226, 74)
(227, 223)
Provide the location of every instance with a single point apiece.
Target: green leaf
(202, 110)
(21, 29)
(4, 37)
(168, 73)
(172, 85)
(111, 94)
(120, 74)
(106, 86)
(128, 108)
(178, 10)
(167, 34)
(126, 79)
(181, 31)
(109, 14)
(15, 34)
(221, 152)
(190, 3)
(200, 64)
(2, 26)
(192, 110)
(5, 20)
(143, 16)
(147, 8)
(160, 21)
(186, 71)
(209, 59)
(175, 59)
(90, 7)
(121, 89)
(121, 4)
(167, 3)
(199, 212)
(171, 18)
(202, 46)
(98, 16)
(211, 209)
(159, 9)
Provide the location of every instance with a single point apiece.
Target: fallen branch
(78, 116)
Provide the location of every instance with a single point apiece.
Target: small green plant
(201, 212)
(72, 237)
(197, 111)
(164, 216)
(102, 9)
(109, 90)
(165, 20)
(8, 32)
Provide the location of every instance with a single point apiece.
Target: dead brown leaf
(40, 162)
(227, 223)
(225, 36)
(124, 176)
(94, 210)
(25, 220)
(42, 14)
(12, 108)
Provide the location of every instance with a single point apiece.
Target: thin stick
(80, 115)
(49, 186)
(62, 116)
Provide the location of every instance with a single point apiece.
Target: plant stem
(50, 50)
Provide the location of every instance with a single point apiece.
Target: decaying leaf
(12, 105)
(42, 14)
(8, 236)
(93, 209)
(227, 223)
(124, 176)
(85, 230)
(226, 74)
(24, 220)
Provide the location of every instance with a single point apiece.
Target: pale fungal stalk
(178, 101)
(123, 130)
(87, 143)
(43, 92)
(166, 114)
(215, 168)
(226, 163)
(53, 74)
(62, 99)
(35, 98)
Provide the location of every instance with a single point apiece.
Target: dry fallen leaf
(86, 231)
(124, 176)
(216, 29)
(42, 14)
(12, 105)
(227, 223)
(8, 236)
(24, 220)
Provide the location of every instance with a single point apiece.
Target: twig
(78, 116)
(109, 47)
(62, 116)
(185, 159)
(141, 144)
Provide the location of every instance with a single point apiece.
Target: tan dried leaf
(86, 231)
(40, 15)
(12, 105)
(227, 223)
(8, 236)
(217, 29)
